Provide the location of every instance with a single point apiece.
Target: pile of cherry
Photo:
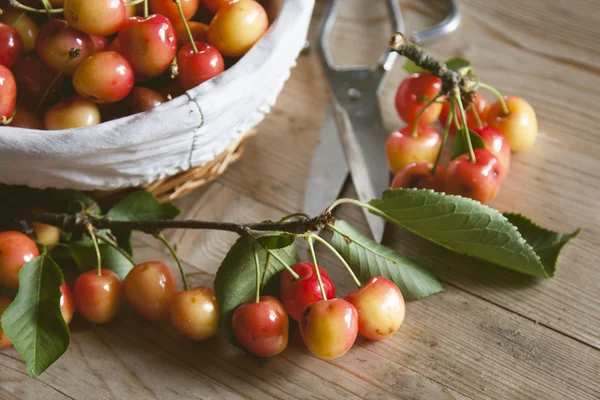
(328, 325)
(413, 152)
(95, 60)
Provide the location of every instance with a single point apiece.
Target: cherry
(24, 118)
(195, 68)
(263, 327)
(143, 99)
(237, 27)
(496, 144)
(216, 5)
(16, 249)
(75, 112)
(149, 289)
(519, 127)
(105, 77)
(198, 29)
(8, 93)
(67, 307)
(402, 148)
(168, 8)
(46, 235)
(413, 94)
(100, 43)
(480, 180)
(149, 44)
(480, 104)
(329, 327)
(24, 25)
(115, 45)
(98, 298)
(54, 44)
(95, 17)
(172, 90)
(33, 79)
(5, 342)
(418, 175)
(195, 313)
(11, 45)
(296, 295)
(380, 308)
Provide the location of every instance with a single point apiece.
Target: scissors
(353, 136)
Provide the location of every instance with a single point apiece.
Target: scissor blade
(328, 170)
(363, 138)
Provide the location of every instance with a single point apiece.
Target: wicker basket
(177, 146)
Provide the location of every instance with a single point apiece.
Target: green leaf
(461, 225)
(411, 67)
(235, 281)
(460, 65)
(142, 206)
(368, 258)
(84, 255)
(273, 239)
(33, 322)
(459, 147)
(546, 243)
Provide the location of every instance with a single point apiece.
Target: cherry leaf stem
(92, 234)
(187, 27)
(463, 128)
(115, 246)
(444, 136)
(21, 6)
(162, 238)
(415, 126)
(475, 114)
(311, 248)
(339, 256)
(498, 95)
(258, 280)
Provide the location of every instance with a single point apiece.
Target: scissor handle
(445, 27)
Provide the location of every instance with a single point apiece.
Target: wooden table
(492, 334)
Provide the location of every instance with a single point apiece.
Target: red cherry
(16, 249)
(329, 327)
(23, 24)
(418, 175)
(67, 308)
(95, 17)
(5, 301)
(149, 44)
(105, 77)
(195, 68)
(149, 289)
(401, 148)
(33, 79)
(100, 43)
(11, 45)
(143, 99)
(480, 104)
(413, 94)
(380, 308)
(198, 29)
(24, 118)
(262, 328)
(8, 93)
(497, 144)
(168, 8)
(480, 180)
(98, 298)
(296, 295)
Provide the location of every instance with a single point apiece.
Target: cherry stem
(73, 54)
(6, 121)
(369, 207)
(162, 238)
(476, 114)
(187, 27)
(285, 265)
(115, 246)
(146, 12)
(444, 136)
(174, 68)
(464, 128)
(16, 4)
(339, 256)
(18, 18)
(413, 131)
(258, 281)
(48, 7)
(268, 259)
(90, 230)
(496, 93)
(314, 257)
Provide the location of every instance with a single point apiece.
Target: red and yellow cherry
(24, 118)
(23, 24)
(8, 93)
(198, 29)
(98, 297)
(237, 27)
(168, 8)
(75, 112)
(496, 143)
(402, 148)
(143, 99)
(54, 44)
(33, 80)
(195, 313)
(297, 294)
(480, 180)
(413, 94)
(45, 235)
(16, 249)
(329, 327)
(105, 77)
(263, 327)
(418, 175)
(5, 342)
(519, 127)
(215, 5)
(380, 308)
(100, 43)
(149, 44)
(67, 307)
(149, 289)
(11, 45)
(95, 17)
(196, 68)
(480, 105)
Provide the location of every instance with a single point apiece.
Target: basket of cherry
(109, 94)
